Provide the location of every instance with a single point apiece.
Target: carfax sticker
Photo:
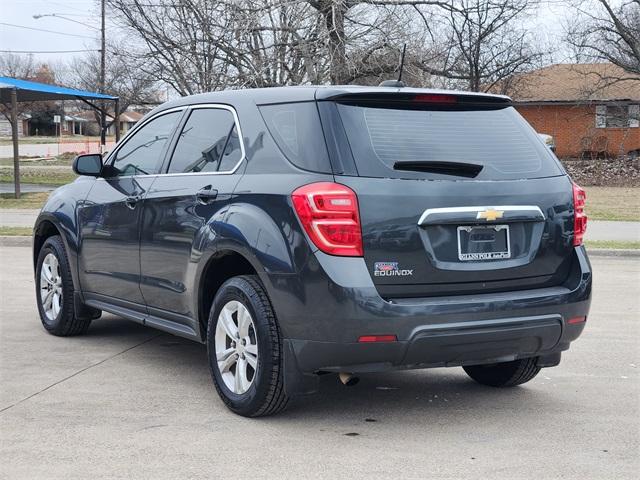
(389, 269)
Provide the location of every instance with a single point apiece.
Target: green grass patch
(66, 159)
(26, 200)
(16, 231)
(612, 244)
(39, 176)
(613, 203)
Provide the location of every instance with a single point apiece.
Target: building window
(617, 116)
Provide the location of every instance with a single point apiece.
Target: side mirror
(90, 164)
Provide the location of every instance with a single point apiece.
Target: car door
(194, 191)
(109, 219)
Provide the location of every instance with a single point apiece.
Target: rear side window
(296, 129)
(208, 142)
(498, 139)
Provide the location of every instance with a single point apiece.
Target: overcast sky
(82, 23)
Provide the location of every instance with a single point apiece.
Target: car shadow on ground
(445, 394)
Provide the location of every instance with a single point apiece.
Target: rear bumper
(323, 317)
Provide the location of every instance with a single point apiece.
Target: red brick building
(590, 109)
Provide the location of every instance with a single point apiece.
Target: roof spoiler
(416, 99)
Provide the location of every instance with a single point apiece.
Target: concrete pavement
(18, 217)
(126, 401)
(27, 187)
(619, 231)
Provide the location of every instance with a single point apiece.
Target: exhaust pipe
(348, 379)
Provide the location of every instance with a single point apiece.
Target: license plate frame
(481, 252)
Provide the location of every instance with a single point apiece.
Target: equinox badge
(389, 269)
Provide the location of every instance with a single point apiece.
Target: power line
(43, 30)
(47, 51)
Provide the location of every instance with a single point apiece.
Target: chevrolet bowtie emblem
(490, 215)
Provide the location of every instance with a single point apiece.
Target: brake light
(579, 216)
(329, 214)
(435, 98)
(377, 338)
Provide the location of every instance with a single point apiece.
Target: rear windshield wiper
(469, 170)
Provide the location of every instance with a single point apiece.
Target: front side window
(209, 142)
(142, 153)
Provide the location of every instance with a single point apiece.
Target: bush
(608, 172)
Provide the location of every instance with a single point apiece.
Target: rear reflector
(579, 216)
(329, 214)
(377, 338)
(574, 320)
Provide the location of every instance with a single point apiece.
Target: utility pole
(103, 57)
(14, 140)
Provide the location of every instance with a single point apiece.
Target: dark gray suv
(299, 231)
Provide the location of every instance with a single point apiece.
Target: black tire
(507, 374)
(266, 395)
(66, 322)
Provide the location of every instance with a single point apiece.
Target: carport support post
(14, 138)
(116, 110)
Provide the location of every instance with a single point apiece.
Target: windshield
(498, 140)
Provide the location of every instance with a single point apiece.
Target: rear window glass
(296, 129)
(208, 143)
(499, 140)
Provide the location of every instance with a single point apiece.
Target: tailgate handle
(481, 215)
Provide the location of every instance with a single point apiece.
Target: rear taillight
(580, 217)
(329, 214)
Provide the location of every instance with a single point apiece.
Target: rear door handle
(207, 195)
(132, 201)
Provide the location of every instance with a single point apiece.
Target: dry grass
(613, 203)
(27, 200)
(16, 231)
(41, 176)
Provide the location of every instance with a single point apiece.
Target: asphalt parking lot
(126, 401)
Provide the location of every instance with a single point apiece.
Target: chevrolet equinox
(304, 230)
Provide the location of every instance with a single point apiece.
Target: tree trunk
(333, 12)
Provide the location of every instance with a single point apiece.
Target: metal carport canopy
(14, 90)
(34, 92)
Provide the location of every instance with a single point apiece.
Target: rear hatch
(457, 194)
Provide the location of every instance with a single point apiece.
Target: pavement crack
(79, 372)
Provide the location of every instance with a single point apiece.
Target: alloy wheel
(51, 286)
(236, 347)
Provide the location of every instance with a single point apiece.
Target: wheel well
(220, 268)
(44, 230)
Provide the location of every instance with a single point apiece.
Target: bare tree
(487, 43)
(124, 79)
(605, 30)
(199, 45)
(16, 66)
(25, 68)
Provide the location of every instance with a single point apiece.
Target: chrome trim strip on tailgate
(522, 212)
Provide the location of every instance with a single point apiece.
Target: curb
(24, 241)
